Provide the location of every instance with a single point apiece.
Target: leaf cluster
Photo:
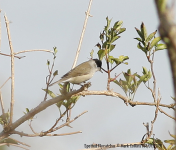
(131, 81)
(148, 42)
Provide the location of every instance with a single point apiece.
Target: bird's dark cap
(98, 62)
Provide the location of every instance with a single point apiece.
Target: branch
(40, 134)
(46, 133)
(2, 104)
(5, 82)
(42, 106)
(12, 70)
(19, 57)
(125, 99)
(166, 114)
(34, 50)
(82, 34)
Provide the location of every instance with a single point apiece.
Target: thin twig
(80, 41)
(30, 125)
(82, 34)
(166, 114)
(5, 82)
(2, 104)
(32, 50)
(19, 57)
(49, 79)
(51, 129)
(154, 78)
(12, 70)
(67, 123)
(40, 134)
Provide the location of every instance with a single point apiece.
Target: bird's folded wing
(80, 70)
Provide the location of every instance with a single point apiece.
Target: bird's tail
(55, 83)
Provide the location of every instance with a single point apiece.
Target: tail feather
(60, 81)
(55, 83)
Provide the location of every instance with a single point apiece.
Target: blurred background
(46, 24)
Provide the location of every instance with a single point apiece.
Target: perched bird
(82, 72)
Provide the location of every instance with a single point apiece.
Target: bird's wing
(80, 70)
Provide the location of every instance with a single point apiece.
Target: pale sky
(45, 24)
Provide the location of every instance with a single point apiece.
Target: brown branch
(49, 79)
(42, 106)
(34, 50)
(2, 104)
(46, 133)
(125, 99)
(67, 123)
(154, 78)
(40, 134)
(19, 57)
(52, 128)
(166, 114)
(31, 127)
(5, 82)
(82, 34)
(12, 70)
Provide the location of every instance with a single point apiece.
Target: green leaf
(50, 93)
(27, 110)
(139, 32)
(149, 74)
(101, 54)
(173, 98)
(4, 118)
(139, 39)
(98, 45)
(145, 71)
(91, 53)
(55, 50)
(102, 37)
(110, 59)
(160, 47)
(143, 31)
(121, 30)
(151, 36)
(108, 24)
(48, 62)
(114, 38)
(123, 58)
(154, 42)
(170, 141)
(55, 73)
(142, 48)
(172, 135)
(117, 25)
(74, 99)
(116, 60)
(112, 46)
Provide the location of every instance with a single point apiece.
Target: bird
(81, 73)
